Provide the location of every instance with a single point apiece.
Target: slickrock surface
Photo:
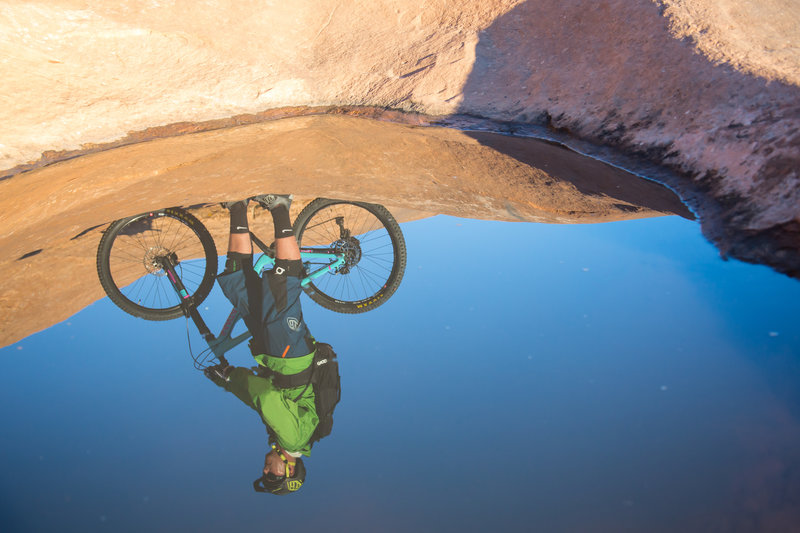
(711, 91)
(49, 245)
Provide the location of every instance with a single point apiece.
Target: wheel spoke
(129, 259)
(374, 252)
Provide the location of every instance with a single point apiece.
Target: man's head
(282, 474)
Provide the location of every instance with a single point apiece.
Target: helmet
(282, 484)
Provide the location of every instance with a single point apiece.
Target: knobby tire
(131, 279)
(375, 269)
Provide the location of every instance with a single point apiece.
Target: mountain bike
(162, 264)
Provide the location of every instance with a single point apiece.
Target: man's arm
(234, 381)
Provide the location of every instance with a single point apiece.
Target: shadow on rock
(610, 74)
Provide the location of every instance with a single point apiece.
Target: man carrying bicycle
(281, 344)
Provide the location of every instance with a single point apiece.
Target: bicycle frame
(222, 343)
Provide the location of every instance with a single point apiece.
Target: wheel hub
(351, 248)
(154, 260)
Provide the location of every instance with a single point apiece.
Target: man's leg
(285, 244)
(240, 244)
(239, 282)
(287, 252)
(240, 256)
(288, 336)
(239, 236)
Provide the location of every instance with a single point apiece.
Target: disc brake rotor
(351, 248)
(153, 258)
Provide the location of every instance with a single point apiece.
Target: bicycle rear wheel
(374, 249)
(129, 262)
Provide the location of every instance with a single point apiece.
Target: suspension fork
(168, 264)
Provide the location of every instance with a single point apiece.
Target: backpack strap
(252, 283)
(291, 381)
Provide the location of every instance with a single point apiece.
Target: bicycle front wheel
(131, 253)
(373, 246)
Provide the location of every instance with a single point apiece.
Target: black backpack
(327, 388)
(323, 375)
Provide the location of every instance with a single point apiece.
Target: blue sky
(617, 374)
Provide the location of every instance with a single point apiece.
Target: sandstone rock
(709, 91)
(48, 245)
